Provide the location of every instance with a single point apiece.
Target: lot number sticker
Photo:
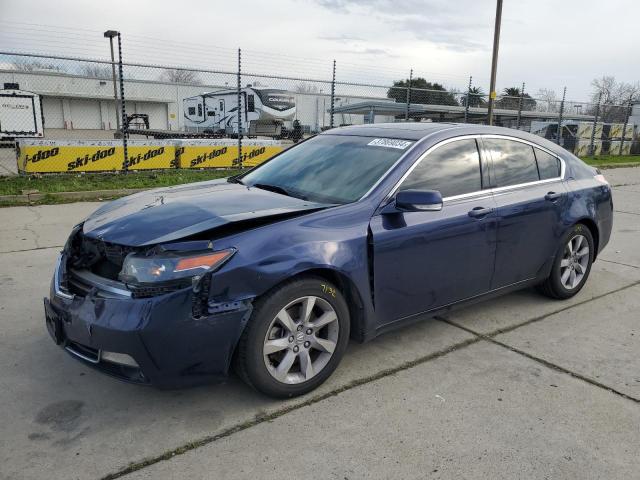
(389, 143)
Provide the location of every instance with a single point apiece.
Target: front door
(429, 259)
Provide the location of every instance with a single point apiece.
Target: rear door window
(548, 165)
(513, 162)
(452, 169)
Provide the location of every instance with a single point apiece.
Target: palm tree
(511, 100)
(476, 97)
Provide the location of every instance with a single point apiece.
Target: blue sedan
(349, 234)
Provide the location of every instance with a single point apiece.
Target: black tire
(249, 361)
(552, 287)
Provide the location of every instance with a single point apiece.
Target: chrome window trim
(487, 191)
(534, 145)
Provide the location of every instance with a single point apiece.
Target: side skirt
(401, 322)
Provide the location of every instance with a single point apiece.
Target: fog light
(119, 358)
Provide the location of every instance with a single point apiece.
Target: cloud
(368, 51)
(340, 38)
(456, 27)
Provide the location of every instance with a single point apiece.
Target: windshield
(329, 168)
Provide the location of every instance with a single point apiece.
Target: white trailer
(218, 111)
(20, 114)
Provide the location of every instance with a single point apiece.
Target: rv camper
(263, 110)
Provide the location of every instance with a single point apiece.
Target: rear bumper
(605, 223)
(170, 347)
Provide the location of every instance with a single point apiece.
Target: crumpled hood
(169, 214)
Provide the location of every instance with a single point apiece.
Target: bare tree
(614, 97)
(547, 101)
(177, 75)
(36, 65)
(305, 87)
(96, 71)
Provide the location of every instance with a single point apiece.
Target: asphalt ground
(517, 387)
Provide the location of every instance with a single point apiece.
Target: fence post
(467, 101)
(564, 95)
(626, 122)
(595, 122)
(239, 108)
(110, 34)
(125, 124)
(333, 94)
(406, 113)
(520, 102)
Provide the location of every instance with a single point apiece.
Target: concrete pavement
(521, 386)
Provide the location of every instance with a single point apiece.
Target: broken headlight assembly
(166, 266)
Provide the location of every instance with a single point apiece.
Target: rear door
(428, 259)
(530, 197)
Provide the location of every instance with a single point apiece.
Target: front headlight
(170, 266)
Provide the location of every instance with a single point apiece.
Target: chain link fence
(157, 116)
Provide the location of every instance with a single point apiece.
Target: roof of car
(405, 131)
(420, 130)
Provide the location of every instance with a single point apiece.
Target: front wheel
(572, 265)
(295, 338)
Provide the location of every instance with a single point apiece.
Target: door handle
(479, 212)
(552, 196)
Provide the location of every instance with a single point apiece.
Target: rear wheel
(572, 265)
(295, 338)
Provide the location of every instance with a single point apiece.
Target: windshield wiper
(235, 179)
(278, 189)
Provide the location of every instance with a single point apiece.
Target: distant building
(77, 102)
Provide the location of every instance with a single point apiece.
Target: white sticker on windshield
(389, 143)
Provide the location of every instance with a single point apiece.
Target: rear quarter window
(548, 165)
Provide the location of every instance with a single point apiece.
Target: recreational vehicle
(218, 111)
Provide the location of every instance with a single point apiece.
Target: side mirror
(419, 200)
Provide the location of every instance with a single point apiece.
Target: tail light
(600, 178)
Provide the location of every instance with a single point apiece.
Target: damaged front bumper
(155, 340)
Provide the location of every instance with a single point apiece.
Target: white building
(75, 102)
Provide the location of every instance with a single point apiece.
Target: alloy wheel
(301, 340)
(574, 263)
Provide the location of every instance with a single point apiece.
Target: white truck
(20, 114)
(263, 111)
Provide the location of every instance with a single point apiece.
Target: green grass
(14, 185)
(611, 160)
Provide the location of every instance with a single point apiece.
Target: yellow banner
(207, 156)
(94, 158)
(255, 154)
(104, 156)
(219, 156)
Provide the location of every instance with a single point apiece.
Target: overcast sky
(545, 43)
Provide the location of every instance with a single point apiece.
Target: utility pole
(110, 34)
(494, 60)
(406, 113)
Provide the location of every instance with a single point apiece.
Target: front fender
(330, 241)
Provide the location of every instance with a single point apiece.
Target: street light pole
(494, 60)
(110, 34)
